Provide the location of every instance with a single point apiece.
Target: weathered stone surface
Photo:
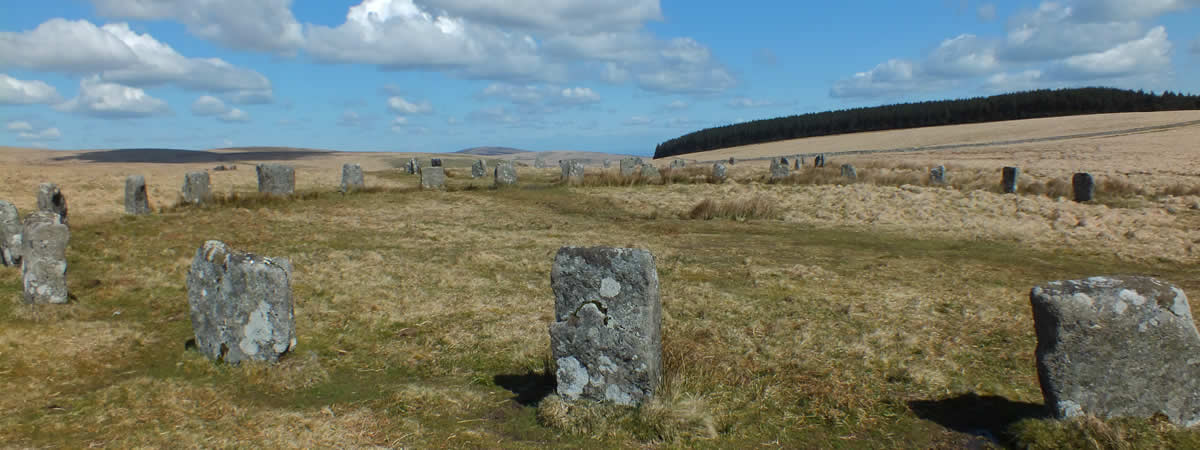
(798, 161)
(607, 332)
(478, 169)
(505, 173)
(783, 161)
(241, 304)
(413, 166)
(1117, 346)
(222, 168)
(539, 163)
(732, 161)
(718, 171)
(10, 234)
(678, 164)
(607, 163)
(433, 177)
(1009, 178)
(572, 170)
(435, 162)
(276, 179)
(196, 188)
(778, 171)
(848, 171)
(819, 160)
(628, 165)
(1084, 186)
(937, 175)
(650, 172)
(44, 241)
(352, 177)
(51, 199)
(136, 199)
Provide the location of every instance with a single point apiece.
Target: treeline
(1020, 105)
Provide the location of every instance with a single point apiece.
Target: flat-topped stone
(1084, 187)
(572, 170)
(937, 175)
(848, 171)
(718, 171)
(196, 189)
(433, 177)
(505, 174)
(352, 178)
(276, 179)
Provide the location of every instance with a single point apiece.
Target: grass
(422, 323)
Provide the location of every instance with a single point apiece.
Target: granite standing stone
(276, 179)
(539, 163)
(1009, 178)
(731, 161)
(51, 199)
(607, 163)
(136, 199)
(433, 178)
(848, 171)
(819, 160)
(798, 162)
(478, 169)
(627, 166)
(241, 304)
(572, 170)
(352, 178)
(1117, 346)
(505, 173)
(937, 175)
(196, 188)
(10, 234)
(607, 333)
(650, 172)
(783, 161)
(678, 164)
(718, 172)
(778, 171)
(435, 162)
(413, 166)
(44, 241)
(1084, 186)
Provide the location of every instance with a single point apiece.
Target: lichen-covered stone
(798, 162)
(572, 170)
(352, 178)
(539, 163)
(718, 172)
(1117, 346)
(241, 304)
(413, 166)
(478, 169)
(435, 162)
(848, 171)
(433, 177)
(10, 234)
(628, 165)
(607, 333)
(136, 199)
(44, 241)
(276, 179)
(678, 164)
(1009, 178)
(650, 172)
(779, 171)
(607, 163)
(819, 160)
(1084, 186)
(505, 174)
(51, 199)
(937, 175)
(196, 188)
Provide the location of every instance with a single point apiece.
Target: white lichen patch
(257, 329)
(571, 377)
(1131, 297)
(1082, 299)
(609, 287)
(1119, 307)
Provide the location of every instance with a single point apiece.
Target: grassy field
(810, 313)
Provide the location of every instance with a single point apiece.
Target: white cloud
(966, 54)
(686, 66)
(26, 92)
(1114, 10)
(986, 12)
(745, 102)
(208, 106)
(399, 105)
(572, 15)
(1148, 54)
(636, 121)
(496, 114)
(541, 99)
(234, 115)
(1019, 81)
(895, 76)
(1053, 31)
(48, 134)
(577, 96)
(102, 99)
(261, 25)
(18, 125)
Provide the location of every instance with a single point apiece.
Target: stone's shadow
(530, 387)
(987, 416)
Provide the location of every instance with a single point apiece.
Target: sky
(617, 76)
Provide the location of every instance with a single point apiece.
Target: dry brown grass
(739, 209)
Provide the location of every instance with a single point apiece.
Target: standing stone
(505, 173)
(433, 178)
(848, 171)
(678, 164)
(241, 304)
(1117, 346)
(778, 171)
(1084, 186)
(10, 234)
(731, 161)
(276, 179)
(478, 169)
(607, 163)
(798, 161)
(650, 172)
(819, 160)
(937, 175)
(1008, 182)
(413, 166)
(50, 199)
(783, 161)
(136, 199)
(352, 178)
(196, 188)
(572, 170)
(539, 163)
(627, 166)
(44, 258)
(718, 172)
(435, 162)
(607, 333)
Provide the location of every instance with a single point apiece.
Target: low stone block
(779, 170)
(572, 170)
(1117, 346)
(1084, 186)
(539, 163)
(44, 241)
(848, 171)
(352, 178)
(240, 304)
(731, 161)
(433, 178)
(607, 163)
(435, 162)
(1009, 178)
(136, 199)
(505, 174)
(10, 234)
(607, 333)
(650, 172)
(628, 165)
(276, 179)
(718, 172)
(937, 175)
(196, 189)
(51, 199)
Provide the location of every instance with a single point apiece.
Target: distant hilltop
(490, 151)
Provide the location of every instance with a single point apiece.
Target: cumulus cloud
(1018, 81)
(1112, 10)
(685, 66)
(399, 105)
(48, 134)
(260, 25)
(18, 125)
(892, 77)
(574, 15)
(98, 98)
(1148, 54)
(234, 115)
(26, 92)
(208, 106)
(966, 54)
(541, 98)
(351, 118)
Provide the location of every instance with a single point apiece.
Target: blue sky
(598, 75)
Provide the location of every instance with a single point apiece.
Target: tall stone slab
(44, 241)
(241, 304)
(607, 333)
(779, 170)
(196, 188)
(848, 171)
(1117, 346)
(478, 169)
(51, 199)
(628, 165)
(718, 172)
(433, 178)
(412, 166)
(276, 179)
(1008, 179)
(10, 234)
(505, 174)
(352, 178)
(819, 160)
(798, 161)
(1084, 186)
(937, 175)
(607, 163)
(539, 163)
(572, 170)
(136, 199)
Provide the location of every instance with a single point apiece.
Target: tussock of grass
(740, 209)
(1180, 189)
(1093, 433)
(1053, 188)
(663, 418)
